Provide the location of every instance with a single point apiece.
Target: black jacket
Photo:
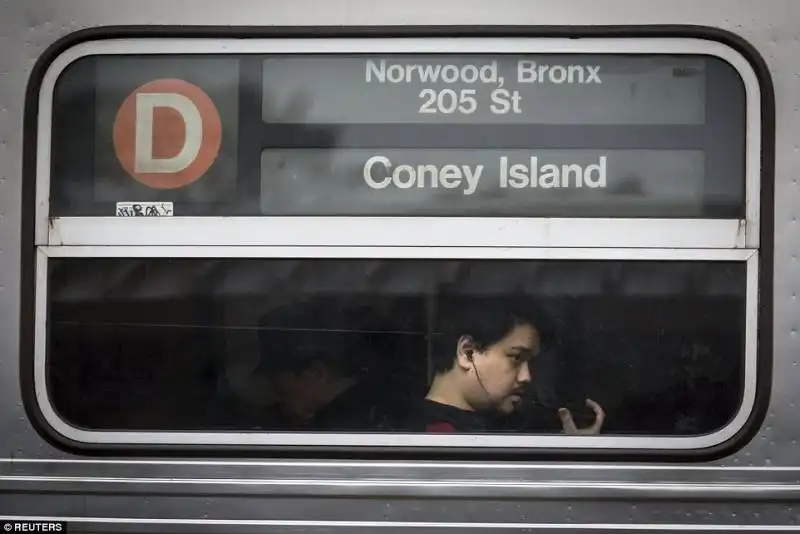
(434, 417)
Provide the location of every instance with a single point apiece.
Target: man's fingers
(600, 416)
(594, 406)
(566, 421)
(568, 424)
(597, 409)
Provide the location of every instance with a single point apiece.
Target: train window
(472, 243)
(593, 136)
(353, 345)
(596, 145)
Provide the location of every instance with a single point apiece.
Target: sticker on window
(144, 209)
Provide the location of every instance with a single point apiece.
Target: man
(319, 379)
(482, 353)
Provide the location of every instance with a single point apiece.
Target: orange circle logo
(167, 133)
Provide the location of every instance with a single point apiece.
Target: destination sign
(481, 135)
(475, 182)
(534, 89)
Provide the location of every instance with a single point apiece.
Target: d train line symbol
(167, 133)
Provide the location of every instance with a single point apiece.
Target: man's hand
(568, 425)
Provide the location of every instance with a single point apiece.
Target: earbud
(469, 354)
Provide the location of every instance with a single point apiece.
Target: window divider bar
(510, 253)
(398, 232)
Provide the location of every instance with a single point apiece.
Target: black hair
(486, 320)
(289, 342)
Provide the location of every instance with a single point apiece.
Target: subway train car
(352, 266)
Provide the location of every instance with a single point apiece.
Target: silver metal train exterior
(754, 487)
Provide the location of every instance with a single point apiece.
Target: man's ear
(465, 352)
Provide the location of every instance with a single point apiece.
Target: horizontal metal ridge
(401, 488)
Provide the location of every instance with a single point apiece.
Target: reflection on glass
(276, 135)
(369, 345)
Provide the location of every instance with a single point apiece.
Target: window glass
(357, 344)
(570, 135)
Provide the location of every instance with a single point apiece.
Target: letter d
(146, 103)
(600, 168)
(172, 151)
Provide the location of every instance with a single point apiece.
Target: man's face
(503, 369)
(299, 392)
